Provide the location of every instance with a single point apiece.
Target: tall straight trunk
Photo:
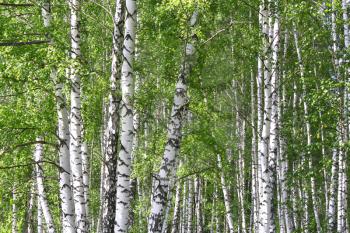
(102, 191)
(304, 195)
(40, 220)
(177, 208)
(341, 200)
(28, 224)
(65, 178)
(227, 199)
(213, 210)
(304, 191)
(76, 120)
(281, 223)
(167, 213)
(241, 171)
(198, 204)
(254, 172)
(265, 214)
(67, 204)
(331, 208)
(283, 159)
(14, 210)
(122, 222)
(159, 196)
(335, 172)
(111, 131)
(295, 201)
(190, 206)
(38, 159)
(240, 132)
(342, 187)
(260, 115)
(260, 111)
(274, 127)
(312, 179)
(325, 173)
(183, 219)
(165, 226)
(85, 169)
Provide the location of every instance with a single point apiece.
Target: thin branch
(6, 150)
(217, 33)
(32, 163)
(15, 5)
(20, 43)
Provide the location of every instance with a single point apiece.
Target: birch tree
(127, 129)
(159, 195)
(112, 129)
(63, 136)
(38, 159)
(76, 120)
(265, 214)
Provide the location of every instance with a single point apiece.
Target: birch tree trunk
(122, 222)
(189, 206)
(336, 167)
(14, 209)
(265, 214)
(240, 132)
(159, 195)
(260, 115)
(28, 225)
(177, 208)
(303, 190)
(342, 187)
(227, 200)
(65, 181)
(38, 159)
(40, 221)
(341, 199)
(198, 204)
(75, 126)
(331, 209)
(67, 204)
(85, 170)
(112, 127)
(183, 220)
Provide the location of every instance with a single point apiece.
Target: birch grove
(174, 116)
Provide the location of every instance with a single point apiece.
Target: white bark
(112, 128)
(28, 226)
(76, 121)
(127, 129)
(227, 199)
(86, 178)
(40, 220)
(169, 201)
(159, 196)
(177, 208)
(240, 132)
(331, 209)
(342, 187)
(14, 210)
(38, 159)
(265, 214)
(198, 204)
(65, 181)
(99, 227)
(341, 200)
(67, 204)
(213, 210)
(183, 220)
(189, 206)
